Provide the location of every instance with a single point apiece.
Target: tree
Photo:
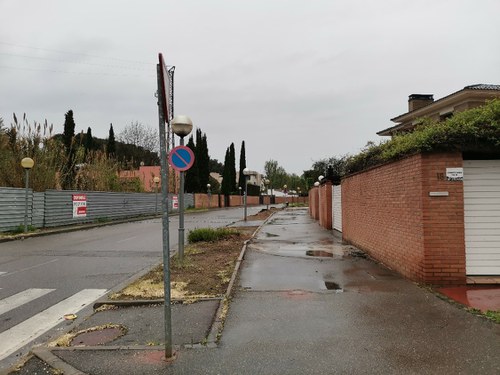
(275, 174)
(111, 146)
(232, 169)
(69, 131)
(192, 182)
(243, 165)
(216, 166)
(68, 171)
(203, 163)
(141, 136)
(89, 141)
(226, 176)
(333, 169)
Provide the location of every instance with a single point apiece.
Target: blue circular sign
(181, 158)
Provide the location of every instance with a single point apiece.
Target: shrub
(210, 234)
(476, 130)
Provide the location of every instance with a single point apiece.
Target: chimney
(416, 101)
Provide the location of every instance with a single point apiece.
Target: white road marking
(28, 268)
(23, 333)
(1, 273)
(10, 303)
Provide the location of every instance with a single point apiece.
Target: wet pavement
(481, 297)
(305, 304)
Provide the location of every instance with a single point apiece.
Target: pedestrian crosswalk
(19, 299)
(25, 332)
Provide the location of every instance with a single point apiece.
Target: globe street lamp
(320, 178)
(241, 196)
(209, 194)
(27, 164)
(246, 172)
(286, 197)
(156, 180)
(181, 126)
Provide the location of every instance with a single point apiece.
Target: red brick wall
(387, 211)
(443, 221)
(236, 200)
(325, 205)
(201, 201)
(314, 203)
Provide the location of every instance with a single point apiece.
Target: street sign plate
(181, 158)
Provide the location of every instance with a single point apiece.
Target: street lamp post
(209, 194)
(156, 180)
(266, 183)
(181, 126)
(241, 196)
(246, 172)
(27, 164)
(286, 197)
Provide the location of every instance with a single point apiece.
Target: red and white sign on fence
(79, 205)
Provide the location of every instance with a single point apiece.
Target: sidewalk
(303, 304)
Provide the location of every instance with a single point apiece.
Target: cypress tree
(232, 169)
(204, 164)
(226, 176)
(68, 172)
(69, 131)
(191, 181)
(89, 141)
(111, 146)
(243, 165)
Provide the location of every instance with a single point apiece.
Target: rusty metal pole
(165, 223)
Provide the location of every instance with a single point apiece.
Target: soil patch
(204, 273)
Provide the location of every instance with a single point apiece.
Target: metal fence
(56, 207)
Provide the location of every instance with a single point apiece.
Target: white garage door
(482, 216)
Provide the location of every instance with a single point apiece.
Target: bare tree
(140, 135)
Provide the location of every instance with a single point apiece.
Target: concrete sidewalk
(304, 304)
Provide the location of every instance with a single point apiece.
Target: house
(423, 105)
(432, 216)
(146, 174)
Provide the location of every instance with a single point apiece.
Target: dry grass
(204, 273)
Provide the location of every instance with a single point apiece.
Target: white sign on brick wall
(455, 174)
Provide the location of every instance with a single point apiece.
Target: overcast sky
(298, 81)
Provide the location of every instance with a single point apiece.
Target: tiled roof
(480, 86)
(483, 87)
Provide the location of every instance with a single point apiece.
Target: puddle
(98, 337)
(319, 253)
(330, 285)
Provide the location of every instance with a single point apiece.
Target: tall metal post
(181, 212)
(246, 196)
(26, 178)
(165, 223)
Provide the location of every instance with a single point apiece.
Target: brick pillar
(325, 205)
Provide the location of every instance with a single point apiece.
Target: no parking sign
(181, 158)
